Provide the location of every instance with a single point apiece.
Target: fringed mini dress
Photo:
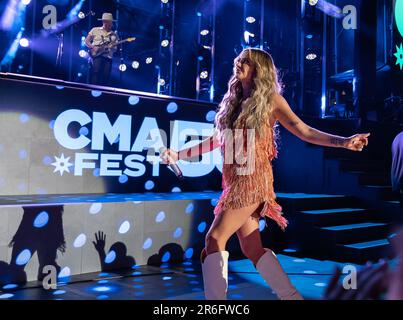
(242, 190)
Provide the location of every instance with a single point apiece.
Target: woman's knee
(214, 242)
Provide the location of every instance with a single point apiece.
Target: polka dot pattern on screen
(160, 217)
(202, 227)
(41, 219)
(65, 272)
(123, 178)
(133, 100)
(80, 241)
(124, 227)
(83, 131)
(96, 93)
(24, 118)
(95, 208)
(166, 257)
(189, 208)
(23, 257)
(177, 232)
(147, 243)
(110, 257)
(262, 225)
(23, 154)
(189, 253)
(149, 185)
(210, 116)
(172, 107)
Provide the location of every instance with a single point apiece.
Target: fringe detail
(242, 191)
(273, 210)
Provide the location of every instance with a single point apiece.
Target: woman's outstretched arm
(207, 145)
(288, 119)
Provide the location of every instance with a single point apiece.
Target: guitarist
(98, 36)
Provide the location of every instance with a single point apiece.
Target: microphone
(173, 166)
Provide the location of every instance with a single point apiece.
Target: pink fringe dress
(257, 187)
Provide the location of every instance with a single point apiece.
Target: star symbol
(62, 164)
(399, 56)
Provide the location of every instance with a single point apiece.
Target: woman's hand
(357, 142)
(169, 156)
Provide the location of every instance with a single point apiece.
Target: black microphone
(173, 166)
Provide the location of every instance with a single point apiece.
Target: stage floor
(57, 199)
(180, 282)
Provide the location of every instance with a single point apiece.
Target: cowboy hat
(107, 17)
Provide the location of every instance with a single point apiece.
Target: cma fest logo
(149, 137)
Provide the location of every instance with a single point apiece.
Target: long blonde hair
(257, 113)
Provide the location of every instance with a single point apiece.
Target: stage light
(82, 53)
(164, 1)
(122, 67)
(165, 43)
(24, 42)
(26, 2)
(135, 65)
(204, 74)
(311, 56)
(200, 58)
(161, 82)
(204, 32)
(309, 36)
(149, 60)
(313, 2)
(250, 19)
(81, 15)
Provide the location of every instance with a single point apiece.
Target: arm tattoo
(293, 123)
(336, 141)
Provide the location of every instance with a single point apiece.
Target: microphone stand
(60, 37)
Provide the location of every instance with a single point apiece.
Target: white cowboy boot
(274, 275)
(215, 275)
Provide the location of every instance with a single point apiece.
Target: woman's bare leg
(269, 267)
(224, 226)
(250, 240)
